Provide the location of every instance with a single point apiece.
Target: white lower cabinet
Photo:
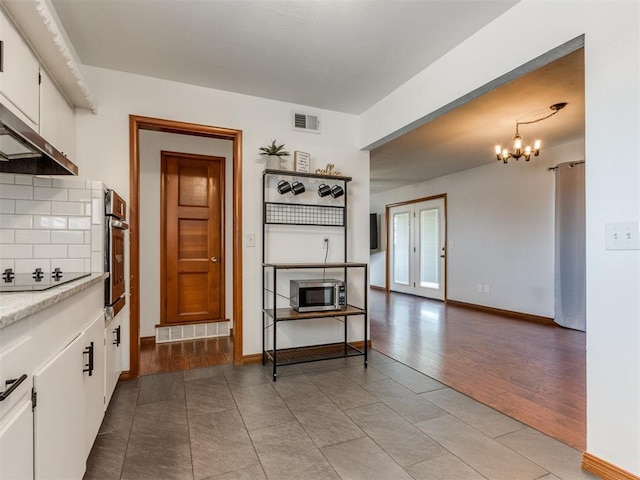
(58, 416)
(69, 405)
(16, 442)
(55, 367)
(16, 419)
(93, 384)
(113, 356)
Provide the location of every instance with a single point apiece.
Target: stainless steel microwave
(318, 295)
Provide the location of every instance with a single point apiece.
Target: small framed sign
(302, 162)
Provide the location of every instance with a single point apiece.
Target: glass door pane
(429, 247)
(401, 248)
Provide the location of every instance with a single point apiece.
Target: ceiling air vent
(306, 123)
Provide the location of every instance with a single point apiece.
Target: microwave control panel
(342, 295)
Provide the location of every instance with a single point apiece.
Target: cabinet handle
(1, 56)
(89, 364)
(116, 342)
(15, 383)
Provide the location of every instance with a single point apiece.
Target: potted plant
(274, 153)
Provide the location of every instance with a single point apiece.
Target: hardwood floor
(533, 372)
(174, 356)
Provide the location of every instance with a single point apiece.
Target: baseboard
(251, 359)
(148, 340)
(604, 469)
(507, 313)
(376, 287)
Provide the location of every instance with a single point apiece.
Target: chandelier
(518, 151)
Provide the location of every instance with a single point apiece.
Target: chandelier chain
(555, 109)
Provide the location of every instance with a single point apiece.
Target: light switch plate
(622, 236)
(251, 240)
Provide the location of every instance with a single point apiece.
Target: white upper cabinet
(57, 122)
(19, 84)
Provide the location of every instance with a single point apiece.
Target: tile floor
(324, 420)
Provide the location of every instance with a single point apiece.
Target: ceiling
(341, 55)
(465, 137)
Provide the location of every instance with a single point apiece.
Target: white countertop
(15, 306)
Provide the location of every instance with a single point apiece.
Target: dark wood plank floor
(173, 356)
(532, 372)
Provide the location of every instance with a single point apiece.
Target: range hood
(24, 151)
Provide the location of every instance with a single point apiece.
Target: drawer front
(15, 363)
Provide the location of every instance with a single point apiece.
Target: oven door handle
(118, 224)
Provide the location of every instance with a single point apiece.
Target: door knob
(214, 259)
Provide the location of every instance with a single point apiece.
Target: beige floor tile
(362, 459)
(483, 453)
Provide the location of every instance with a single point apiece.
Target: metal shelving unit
(299, 214)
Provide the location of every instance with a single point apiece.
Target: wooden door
(192, 238)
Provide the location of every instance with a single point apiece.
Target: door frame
(387, 210)
(163, 231)
(137, 123)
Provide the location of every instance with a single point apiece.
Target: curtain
(570, 251)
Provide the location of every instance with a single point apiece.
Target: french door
(417, 248)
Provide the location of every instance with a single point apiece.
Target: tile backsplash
(51, 222)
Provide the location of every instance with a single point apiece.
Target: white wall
(612, 151)
(500, 231)
(151, 144)
(103, 153)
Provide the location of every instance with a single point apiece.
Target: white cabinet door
(113, 365)
(93, 381)
(15, 367)
(19, 82)
(16, 442)
(57, 118)
(59, 427)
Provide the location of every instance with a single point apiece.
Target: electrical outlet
(479, 288)
(485, 288)
(325, 243)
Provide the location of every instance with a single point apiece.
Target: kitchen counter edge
(15, 306)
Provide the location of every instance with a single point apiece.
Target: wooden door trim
(137, 123)
(163, 231)
(387, 209)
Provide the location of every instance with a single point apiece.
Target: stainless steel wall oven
(115, 227)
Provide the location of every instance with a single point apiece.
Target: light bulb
(536, 145)
(517, 143)
(527, 150)
(498, 150)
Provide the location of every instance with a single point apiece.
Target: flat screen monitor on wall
(373, 231)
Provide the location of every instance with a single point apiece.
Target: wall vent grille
(190, 332)
(306, 123)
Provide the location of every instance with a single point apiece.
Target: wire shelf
(300, 214)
